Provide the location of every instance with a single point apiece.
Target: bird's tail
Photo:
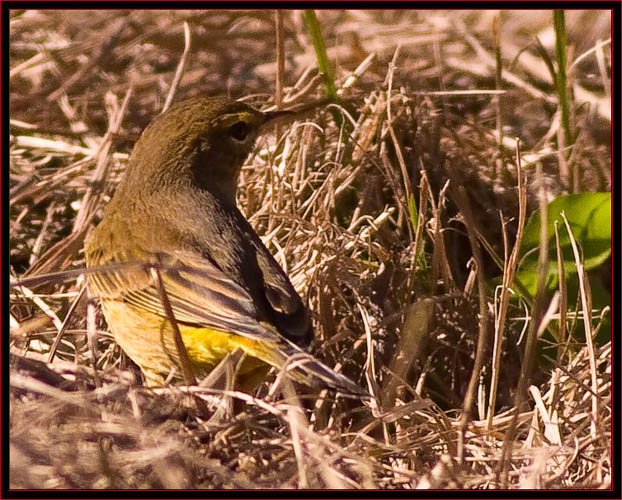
(299, 365)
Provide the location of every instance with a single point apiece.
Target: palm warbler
(175, 208)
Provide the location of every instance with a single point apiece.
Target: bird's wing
(288, 312)
(199, 293)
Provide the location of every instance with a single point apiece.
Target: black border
(614, 6)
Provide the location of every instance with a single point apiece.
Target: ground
(388, 209)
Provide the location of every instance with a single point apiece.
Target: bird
(193, 263)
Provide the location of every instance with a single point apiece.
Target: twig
(180, 69)
(530, 344)
(509, 271)
(280, 58)
(586, 303)
(184, 359)
(465, 209)
(70, 312)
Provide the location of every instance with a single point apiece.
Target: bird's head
(200, 141)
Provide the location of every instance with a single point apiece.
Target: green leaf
(414, 213)
(589, 217)
(313, 25)
(414, 220)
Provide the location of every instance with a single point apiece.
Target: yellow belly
(148, 340)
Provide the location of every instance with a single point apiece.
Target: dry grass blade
(180, 69)
(482, 339)
(509, 271)
(354, 201)
(537, 318)
(586, 302)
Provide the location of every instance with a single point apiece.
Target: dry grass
(401, 300)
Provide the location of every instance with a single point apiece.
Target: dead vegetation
(386, 211)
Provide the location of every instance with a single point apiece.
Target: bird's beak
(275, 117)
(299, 112)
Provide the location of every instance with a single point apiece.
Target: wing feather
(200, 294)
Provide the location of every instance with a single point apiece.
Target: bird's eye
(239, 130)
